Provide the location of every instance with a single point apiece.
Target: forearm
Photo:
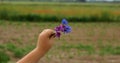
(45, 41)
(33, 57)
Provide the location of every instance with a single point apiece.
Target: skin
(45, 42)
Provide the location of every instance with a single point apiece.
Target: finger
(52, 35)
(48, 33)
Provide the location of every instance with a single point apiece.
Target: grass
(4, 58)
(56, 11)
(18, 52)
(86, 39)
(89, 49)
(109, 49)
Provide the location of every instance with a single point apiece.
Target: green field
(89, 42)
(96, 41)
(80, 12)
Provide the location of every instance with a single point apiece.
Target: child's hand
(45, 40)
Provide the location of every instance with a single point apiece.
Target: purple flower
(60, 28)
(58, 34)
(63, 27)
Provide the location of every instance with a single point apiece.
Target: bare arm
(45, 41)
(32, 57)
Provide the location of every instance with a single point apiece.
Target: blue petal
(67, 29)
(64, 21)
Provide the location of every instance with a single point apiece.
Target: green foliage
(108, 49)
(10, 46)
(4, 58)
(18, 51)
(89, 49)
(1, 46)
(15, 50)
(4, 15)
(116, 50)
(105, 17)
(15, 14)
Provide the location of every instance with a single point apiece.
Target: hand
(45, 40)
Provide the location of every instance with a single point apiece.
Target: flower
(64, 22)
(59, 28)
(58, 34)
(67, 29)
(63, 27)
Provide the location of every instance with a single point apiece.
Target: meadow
(89, 42)
(74, 12)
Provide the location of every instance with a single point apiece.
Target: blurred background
(66, 0)
(95, 36)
